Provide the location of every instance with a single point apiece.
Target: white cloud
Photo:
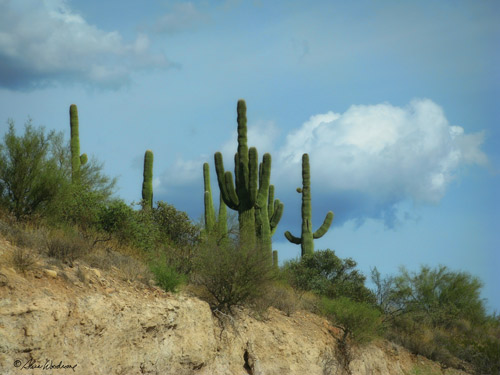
(382, 151)
(42, 41)
(183, 172)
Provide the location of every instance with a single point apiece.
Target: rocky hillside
(82, 320)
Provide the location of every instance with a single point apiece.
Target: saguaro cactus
(306, 240)
(147, 182)
(210, 223)
(249, 193)
(77, 160)
(209, 205)
(243, 197)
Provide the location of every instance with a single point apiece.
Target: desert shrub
(280, 296)
(24, 259)
(174, 225)
(439, 313)
(358, 320)
(29, 174)
(66, 246)
(230, 273)
(284, 298)
(328, 275)
(165, 276)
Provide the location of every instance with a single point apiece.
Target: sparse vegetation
(231, 273)
(55, 202)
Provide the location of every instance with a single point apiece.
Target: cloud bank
(44, 41)
(370, 158)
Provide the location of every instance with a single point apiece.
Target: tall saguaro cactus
(242, 194)
(306, 240)
(249, 193)
(77, 160)
(209, 205)
(147, 182)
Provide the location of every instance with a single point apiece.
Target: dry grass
(24, 259)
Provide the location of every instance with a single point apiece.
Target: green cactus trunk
(306, 240)
(147, 182)
(77, 160)
(241, 195)
(222, 218)
(209, 205)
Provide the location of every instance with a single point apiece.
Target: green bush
(359, 321)
(439, 313)
(328, 275)
(231, 274)
(165, 276)
(30, 176)
(174, 225)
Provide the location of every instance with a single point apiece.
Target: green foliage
(174, 225)
(359, 320)
(439, 313)
(166, 277)
(231, 274)
(29, 174)
(439, 296)
(306, 239)
(147, 183)
(326, 274)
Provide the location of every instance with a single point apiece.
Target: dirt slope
(82, 320)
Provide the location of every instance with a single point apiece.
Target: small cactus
(209, 205)
(77, 160)
(147, 182)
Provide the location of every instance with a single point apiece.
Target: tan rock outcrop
(109, 326)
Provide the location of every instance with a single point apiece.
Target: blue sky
(395, 102)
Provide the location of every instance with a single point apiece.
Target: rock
(129, 330)
(50, 273)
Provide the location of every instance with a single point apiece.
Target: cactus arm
(233, 197)
(270, 202)
(290, 237)
(83, 159)
(325, 226)
(236, 171)
(225, 181)
(265, 169)
(275, 219)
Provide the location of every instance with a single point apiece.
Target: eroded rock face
(98, 324)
